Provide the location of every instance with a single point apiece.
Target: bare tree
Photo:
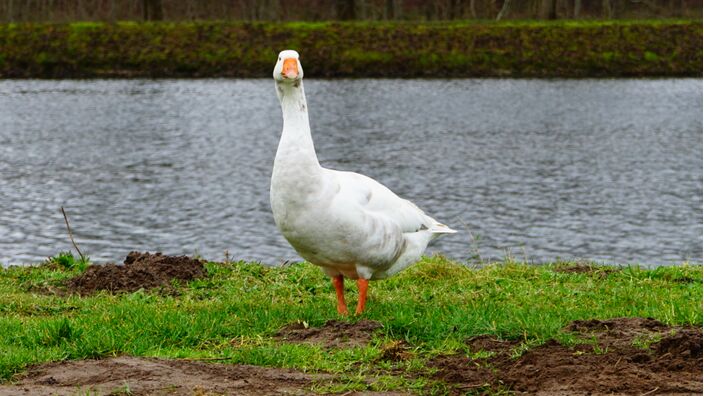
(606, 9)
(390, 11)
(472, 9)
(112, 11)
(152, 10)
(345, 9)
(504, 10)
(551, 8)
(453, 9)
(10, 11)
(399, 8)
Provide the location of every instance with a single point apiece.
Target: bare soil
(333, 334)
(601, 272)
(622, 356)
(147, 376)
(140, 271)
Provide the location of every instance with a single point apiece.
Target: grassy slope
(354, 49)
(234, 313)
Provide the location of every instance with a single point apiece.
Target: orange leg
(339, 283)
(362, 284)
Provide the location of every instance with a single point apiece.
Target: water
(609, 170)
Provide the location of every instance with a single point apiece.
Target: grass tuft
(67, 261)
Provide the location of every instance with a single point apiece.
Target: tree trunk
(78, 14)
(504, 10)
(390, 9)
(112, 11)
(152, 10)
(577, 8)
(26, 11)
(158, 14)
(452, 9)
(428, 10)
(606, 8)
(345, 10)
(472, 9)
(362, 9)
(552, 9)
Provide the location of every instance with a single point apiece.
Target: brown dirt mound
(333, 334)
(147, 376)
(140, 271)
(620, 362)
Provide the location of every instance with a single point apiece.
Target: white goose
(348, 224)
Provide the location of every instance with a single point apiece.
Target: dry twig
(70, 235)
(649, 392)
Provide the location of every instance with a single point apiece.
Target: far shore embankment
(569, 49)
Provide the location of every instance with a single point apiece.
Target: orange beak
(290, 69)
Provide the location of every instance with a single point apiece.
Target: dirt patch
(620, 356)
(395, 351)
(601, 272)
(140, 271)
(333, 334)
(490, 344)
(681, 279)
(148, 376)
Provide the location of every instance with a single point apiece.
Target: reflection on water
(600, 169)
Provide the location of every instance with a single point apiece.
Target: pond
(608, 170)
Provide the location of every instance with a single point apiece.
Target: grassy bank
(361, 49)
(237, 309)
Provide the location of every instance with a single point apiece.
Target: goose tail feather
(439, 228)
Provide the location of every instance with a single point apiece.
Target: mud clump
(140, 271)
(620, 356)
(685, 345)
(147, 376)
(395, 351)
(333, 334)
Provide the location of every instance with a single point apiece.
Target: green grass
(234, 313)
(66, 260)
(354, 49)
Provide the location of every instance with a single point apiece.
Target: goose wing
(377, 200)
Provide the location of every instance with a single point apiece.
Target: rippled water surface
(599, 169)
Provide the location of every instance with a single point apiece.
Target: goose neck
(296, 141)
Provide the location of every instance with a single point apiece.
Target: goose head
(288, 68)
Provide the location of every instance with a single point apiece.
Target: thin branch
(70, 235)
(647, 393)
